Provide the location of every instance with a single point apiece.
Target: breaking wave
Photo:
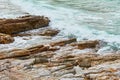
(84, 19)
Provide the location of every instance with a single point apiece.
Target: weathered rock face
(25, 23)
(52, 58)
(23, 52)
(11, 26)
(86, 44)
(105, 71)
(5, 39)
(50, 32)
(63, 42)
(44, 62)
(46, 31)
(33, 49)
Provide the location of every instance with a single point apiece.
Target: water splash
(85, 19)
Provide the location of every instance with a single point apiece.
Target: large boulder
(11, 26)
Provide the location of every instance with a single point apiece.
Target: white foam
(78, 22)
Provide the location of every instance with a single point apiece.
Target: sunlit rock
(24, 23)
(5, 39)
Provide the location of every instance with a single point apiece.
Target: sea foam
(90, 21)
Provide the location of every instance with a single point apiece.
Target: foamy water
(84, 19)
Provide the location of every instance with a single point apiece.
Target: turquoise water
(85, 19)
(102, 14)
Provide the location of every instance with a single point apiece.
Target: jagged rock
(11, 26)
(86, 44)
(63, 42)
(49, 32)
(5, 39)
(34, 49)
(86, 60)
(46, 31)
(106, 71)
(57, 58)
(23, 52)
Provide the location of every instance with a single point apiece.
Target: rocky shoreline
(53, 57)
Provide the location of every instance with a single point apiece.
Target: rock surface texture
(11, 26)
(54, 57)
(5, 39)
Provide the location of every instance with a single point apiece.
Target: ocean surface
(83, 19)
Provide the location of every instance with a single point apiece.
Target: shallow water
(84, 19)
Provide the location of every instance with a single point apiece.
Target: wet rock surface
(86, 44)
(24, 23)
(56, 58)
(46, 31)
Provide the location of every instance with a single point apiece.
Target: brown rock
(63, 42)
(105, 71)
(23, 52)
(11, 26)
(14, 75)
(50, 32)
(86, 44)
(5, 39)
(46, 31)
(14, 53)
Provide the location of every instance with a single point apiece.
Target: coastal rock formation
(49, 32)
(63, 42)
(5, 39)
(86, 44)
(29, 22)
(46, 31)
(43, 62)
(52, 57)
(106, 71)
(23, 52)
(32, 50)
